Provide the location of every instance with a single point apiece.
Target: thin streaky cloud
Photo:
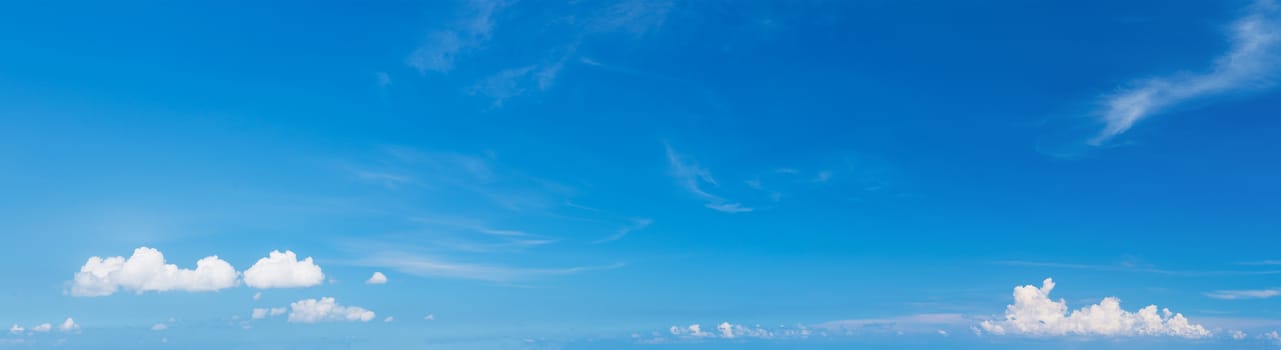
(693, 177)
(637, 225)
(389, 180)
(1261, 263)
(1250, 64)
(428, 266)
(915, 322)
(473, 28)
(729, 207)
(1244, 294)
(1123, 268)
(471, 225)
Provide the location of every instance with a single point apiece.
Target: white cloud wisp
(1249, 64)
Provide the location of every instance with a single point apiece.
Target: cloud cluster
(1248, 65)
(261, 313)
(326, 310)
(147, 271)
(727, 330)
(283, 270)
(67, 326)
(1034, 313)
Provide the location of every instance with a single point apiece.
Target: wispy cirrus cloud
(473, 27)
(1136, 268)
(693, 178)
(429, 266)
(917, 323)
(1244, 294)
(1249, 64)
(637, 225)
(566, 27)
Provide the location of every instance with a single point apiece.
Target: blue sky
(640, 174)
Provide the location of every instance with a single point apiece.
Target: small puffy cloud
(726, 330)
(146, 271)
(69, 325)
(1273, 336)
(377, 278)
(389, 319)
(159, 327)
(257, 296)
(1238, 335)
(326, 309)
(16, 329)
(283, 270)
(1034, 313)
(42, 328)
(430, 317)
(261, 313)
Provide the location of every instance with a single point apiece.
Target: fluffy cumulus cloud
(16, 329)
(42, 328)
(1034, 313)
(69, 325)
(325, 310)
(283, 270)
(377, 278)
(146, 271)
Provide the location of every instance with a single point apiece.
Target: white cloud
(261, 313)
(729, 207)
(257, 296)
(42, 328)
(1249, 64)
(430, 317)
(917, 323)
(441, 48)
(431, 267)
(16, 329)
(326, 309)
(1244, 294)
(1238, 335)
(389, 319)
(693, 177)
(1273, 336)
(726, 330)
(159, 327)
(69, 325)
(283, 270)
(377, 278)
(146, 270)
(637, 225)
(1034, 313)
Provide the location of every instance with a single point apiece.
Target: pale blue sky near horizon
(606, 174)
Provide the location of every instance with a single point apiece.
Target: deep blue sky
(588, 174)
